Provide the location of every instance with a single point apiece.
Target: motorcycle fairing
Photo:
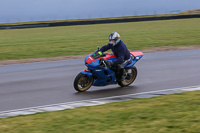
(105, 76)
(89, 59)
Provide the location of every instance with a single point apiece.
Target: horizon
(44, 10)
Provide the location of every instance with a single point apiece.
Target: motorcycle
(98, 73)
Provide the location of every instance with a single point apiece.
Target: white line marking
(191, 88)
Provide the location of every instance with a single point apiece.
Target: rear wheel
(130, 78)
(82, 82)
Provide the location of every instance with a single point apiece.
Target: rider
(120, 51)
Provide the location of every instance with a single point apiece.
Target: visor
(111, 41)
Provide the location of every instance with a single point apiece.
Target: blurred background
(44, 10)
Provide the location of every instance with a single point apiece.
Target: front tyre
(130, 78)
(82, 82)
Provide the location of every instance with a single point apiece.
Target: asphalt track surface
(43, 83)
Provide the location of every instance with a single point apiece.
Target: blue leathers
(120, 51)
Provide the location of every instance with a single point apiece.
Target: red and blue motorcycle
(98, 73)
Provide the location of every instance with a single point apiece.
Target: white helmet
(114, 38)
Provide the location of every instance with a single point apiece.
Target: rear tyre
(82, 82)
(130, 78)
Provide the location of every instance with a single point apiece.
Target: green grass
(175, 113)
(83, 39)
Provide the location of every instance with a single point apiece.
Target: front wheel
(82, 82)
(131, 76)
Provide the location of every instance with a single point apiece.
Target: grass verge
(83, 39)
(175, 113)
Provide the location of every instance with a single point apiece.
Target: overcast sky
(25, 10)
